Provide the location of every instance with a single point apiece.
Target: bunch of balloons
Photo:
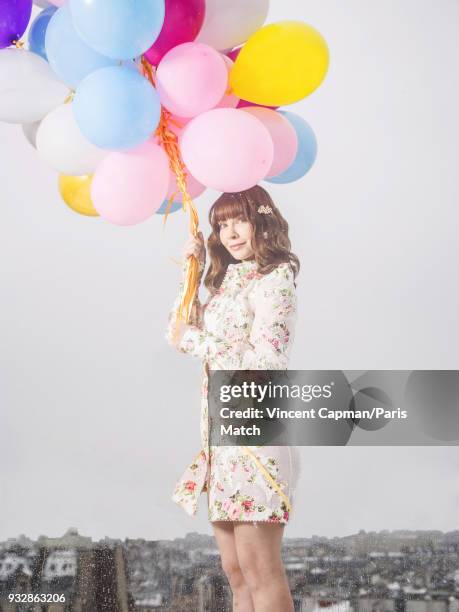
(142, 105)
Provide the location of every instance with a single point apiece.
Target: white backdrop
(99, 416)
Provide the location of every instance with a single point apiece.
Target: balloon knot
(70, 97)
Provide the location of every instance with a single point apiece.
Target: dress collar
(245, 264)
(238, 271)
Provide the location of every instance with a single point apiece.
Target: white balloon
(29, 89)
(61, 144)
(30, 132)
(229, 23)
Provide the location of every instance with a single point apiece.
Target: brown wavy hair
(269, 251)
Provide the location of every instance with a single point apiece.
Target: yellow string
(169, 142)
(269, 478)
(20, 44)
(168, 209)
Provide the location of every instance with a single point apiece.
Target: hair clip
(265, 210)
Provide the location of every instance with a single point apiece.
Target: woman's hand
(180, 329)
(195, 246)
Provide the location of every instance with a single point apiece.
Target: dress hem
(248, 521)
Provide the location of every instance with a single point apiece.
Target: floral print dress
(248, 324)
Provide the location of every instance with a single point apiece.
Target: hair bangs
(228, 206)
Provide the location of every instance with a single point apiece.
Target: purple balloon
(182, 23)
(14, 18)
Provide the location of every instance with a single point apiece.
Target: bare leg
(224, 534)
(259, 554)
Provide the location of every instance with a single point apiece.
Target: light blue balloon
(174, 208)
(307, 151)
(37, 31)
(116, 108)
(69, 57)
(130, 63)
(121, 29)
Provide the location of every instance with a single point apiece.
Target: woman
(247, 323)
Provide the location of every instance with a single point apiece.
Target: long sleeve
(196, 311)
(271, 336)
(273, 327)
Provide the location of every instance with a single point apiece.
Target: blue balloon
(116, 108)
(38, 30)
(174, 208)
(70, 58)
(134, 65)
(307, 151)
(121, 29)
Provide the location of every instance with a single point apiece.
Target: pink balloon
(283, 135)
(229, 100)
(56, 2)
(194, 187)
(177, 124)
(191, 79)
(128, 187)
(227, 149)
(182, 23)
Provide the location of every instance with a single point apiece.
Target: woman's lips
(237, 246)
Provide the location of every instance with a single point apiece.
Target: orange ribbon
(169, 142)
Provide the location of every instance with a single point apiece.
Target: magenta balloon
(182, 23)
(14, 18)
(227, 149)
(245, 104)
(234, 53)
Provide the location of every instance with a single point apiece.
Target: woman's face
(236, 235)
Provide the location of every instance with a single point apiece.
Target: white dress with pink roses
(248, 324)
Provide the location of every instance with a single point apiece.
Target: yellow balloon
(76, 193)
(280, 64)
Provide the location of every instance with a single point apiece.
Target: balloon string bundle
(169, 141)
